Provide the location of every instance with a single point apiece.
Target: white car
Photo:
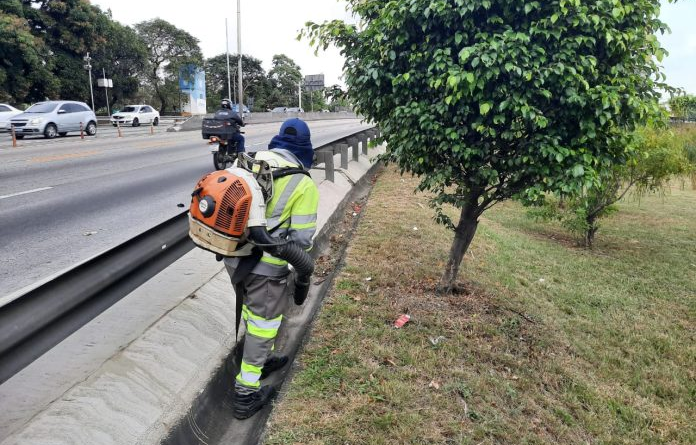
(135, 115)
(7, 112)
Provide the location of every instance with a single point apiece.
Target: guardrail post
(363, 141)
(343, 149)
(14, 136)
(152, 127)
(353, 142)
(118, 127)
(327, 157)
(82, 133)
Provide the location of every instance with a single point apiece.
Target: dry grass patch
(549, 344)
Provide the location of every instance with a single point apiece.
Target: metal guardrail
(35, 322)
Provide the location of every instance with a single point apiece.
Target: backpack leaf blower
(228, 216)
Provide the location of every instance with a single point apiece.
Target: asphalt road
(65, 200)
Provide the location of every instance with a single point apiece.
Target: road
(65, 200)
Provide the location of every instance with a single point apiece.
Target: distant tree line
(44, 43)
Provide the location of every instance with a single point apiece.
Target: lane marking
(65, 156)
(26, 192)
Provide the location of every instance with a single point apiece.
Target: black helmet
(226, 103)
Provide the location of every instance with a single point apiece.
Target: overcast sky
(271, 26)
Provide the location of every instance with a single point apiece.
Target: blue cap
(294, 136)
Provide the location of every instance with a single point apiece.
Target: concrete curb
(158, 382)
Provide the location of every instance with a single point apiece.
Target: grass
(551, 343)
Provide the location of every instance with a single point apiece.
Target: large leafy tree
(486, 100)
(70, 28)
(25, 65)
(285, 76)
(170, 48)
(254, 79)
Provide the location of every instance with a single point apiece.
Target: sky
(270, 27)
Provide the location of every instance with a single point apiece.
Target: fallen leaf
(391, 362)
(368, 279)
(434, 384)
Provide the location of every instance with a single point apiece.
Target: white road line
(25, 193)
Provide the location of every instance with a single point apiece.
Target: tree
(25, 65)
(338, 98)
(124, 58)
(313, 100)
(683, 107)
(657, 156)
(285, 76)
(170, 48)
(254, 79)
(486, 100)
(70, 28)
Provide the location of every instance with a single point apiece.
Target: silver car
(55, 118)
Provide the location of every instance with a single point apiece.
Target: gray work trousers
(264, 301)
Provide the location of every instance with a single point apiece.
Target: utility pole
(227, 49)
(106, 93)
(239, 53)
(299, 93)
(88, 67)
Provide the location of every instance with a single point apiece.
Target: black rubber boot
(246, 405)
(274, 363)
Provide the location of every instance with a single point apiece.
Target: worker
(263, 281)
(225, 113)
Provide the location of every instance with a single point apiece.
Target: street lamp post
(239, 52)
(88, 67)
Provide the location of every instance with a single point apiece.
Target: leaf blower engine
(228, 217)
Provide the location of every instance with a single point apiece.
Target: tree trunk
(591, 231)
(463, 235)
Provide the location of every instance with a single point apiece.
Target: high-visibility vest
(291, 213)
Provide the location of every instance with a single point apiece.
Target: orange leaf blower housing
(219, 212)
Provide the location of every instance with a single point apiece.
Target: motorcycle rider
(262, 280)
(225, 113)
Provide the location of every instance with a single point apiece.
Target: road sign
(105, 83)
(314, 82)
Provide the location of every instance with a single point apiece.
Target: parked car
(55, 118)
(7, 112)
(235, 109)
(295, 110)
(135, 115)
(280, 110)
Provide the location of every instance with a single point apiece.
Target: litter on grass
(401, 321)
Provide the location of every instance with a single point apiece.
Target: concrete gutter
(170, 380)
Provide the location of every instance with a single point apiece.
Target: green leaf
(578, 171)
(406, 76)
(485, 107)
(464, 54)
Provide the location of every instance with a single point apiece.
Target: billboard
(192, 85)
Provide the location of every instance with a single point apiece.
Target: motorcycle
(219, 132)
(224, 153)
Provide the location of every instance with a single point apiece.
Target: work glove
(301, 289)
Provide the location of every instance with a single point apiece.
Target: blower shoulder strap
(287, 171)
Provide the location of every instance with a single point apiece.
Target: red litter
(401, 321)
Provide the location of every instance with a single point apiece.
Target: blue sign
(192, 80)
